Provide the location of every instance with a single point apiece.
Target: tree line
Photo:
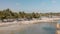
(8, 14)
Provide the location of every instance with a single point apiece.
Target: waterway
(40, 28)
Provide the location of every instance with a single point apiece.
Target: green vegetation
(8, 14)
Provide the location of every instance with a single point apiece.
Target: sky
(31, 5)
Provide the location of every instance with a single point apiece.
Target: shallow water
(42, 28)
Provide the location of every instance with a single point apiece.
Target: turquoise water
(42, 28)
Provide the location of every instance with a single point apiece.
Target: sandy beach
(31, 21)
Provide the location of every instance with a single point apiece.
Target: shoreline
(31, 21)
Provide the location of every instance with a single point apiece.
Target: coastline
(31, 21)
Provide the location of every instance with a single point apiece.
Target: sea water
(40, 28)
